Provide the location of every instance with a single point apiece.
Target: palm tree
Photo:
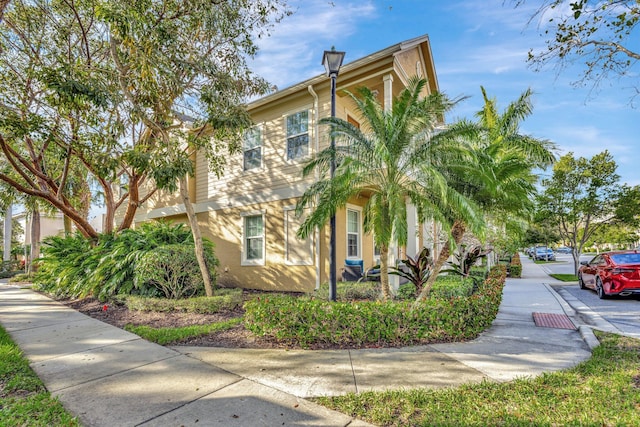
(393, 159)
(503, 180)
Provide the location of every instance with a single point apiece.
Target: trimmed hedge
(515, 267)
(310, 322)
(223, 300)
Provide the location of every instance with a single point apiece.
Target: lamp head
(332, 61)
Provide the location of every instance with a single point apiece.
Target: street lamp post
(332, 61)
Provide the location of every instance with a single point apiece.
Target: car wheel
(581, 282)
(600, 289)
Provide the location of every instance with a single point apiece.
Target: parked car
(563, 250)
(611, 273)
(543, 253)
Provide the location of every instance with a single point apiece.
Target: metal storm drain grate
(550, 320)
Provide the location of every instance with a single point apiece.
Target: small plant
(416, 270)
(467, 258)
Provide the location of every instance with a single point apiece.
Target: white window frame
(257, 129)
(358, 210)
(295, 135)
(287, 261)
(244, 216)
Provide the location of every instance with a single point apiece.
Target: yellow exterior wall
(221, 201)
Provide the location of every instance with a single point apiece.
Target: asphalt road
(623, 313)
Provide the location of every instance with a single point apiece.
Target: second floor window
(298, 135)
(252, 149)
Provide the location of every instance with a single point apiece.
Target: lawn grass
(565, 277)
(165, 336)
(24, 401)
(602, 391)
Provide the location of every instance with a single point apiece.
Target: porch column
(413, 236)
(388, 92)
(387, 99)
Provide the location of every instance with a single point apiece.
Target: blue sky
(474, 43)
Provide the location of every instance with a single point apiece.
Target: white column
(7, 233)
(413, 244)
(388, 92)
(387, 98)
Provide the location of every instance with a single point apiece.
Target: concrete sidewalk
(107, 376)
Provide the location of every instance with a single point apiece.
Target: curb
(586, 332)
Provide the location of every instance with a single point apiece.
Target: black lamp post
(332, 62)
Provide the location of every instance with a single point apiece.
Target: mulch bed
(120, 316)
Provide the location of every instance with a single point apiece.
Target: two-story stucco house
(249, 211)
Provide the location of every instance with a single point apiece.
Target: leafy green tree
(501, 180)
(166, 77)
(583, 195)
(80, 92)
(119, 95)
(619, 235)
(600, 34)
(395, 159)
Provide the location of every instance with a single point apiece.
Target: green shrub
(515, 267)
(222, 300)
(351, 291)
(445, 286)
(407, 291)
(478, 272)
(173, 270)
(452, 286)
(308, 322)
(75, 266)
(7, 274)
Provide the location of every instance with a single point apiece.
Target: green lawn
(565, 277)
(165, 336)
(602, 391)
(24, 401)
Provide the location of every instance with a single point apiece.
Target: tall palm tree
(393, 159)
(503, 179)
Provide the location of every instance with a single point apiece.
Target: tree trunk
(457, 232)
(133, 202)
(576, 260)
(197, 237)
(35, 240)
(384, 272)
(67, 226)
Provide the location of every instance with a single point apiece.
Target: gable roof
(422, 42)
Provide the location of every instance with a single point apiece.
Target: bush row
(223, 300)
(310, 322)
(515, 266)
(156, 260)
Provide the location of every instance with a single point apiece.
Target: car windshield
(626, 258)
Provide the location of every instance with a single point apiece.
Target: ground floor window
(353, 234)
(253, 252)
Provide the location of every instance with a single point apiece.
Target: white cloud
(294, 50)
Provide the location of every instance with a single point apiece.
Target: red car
(612, 273)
